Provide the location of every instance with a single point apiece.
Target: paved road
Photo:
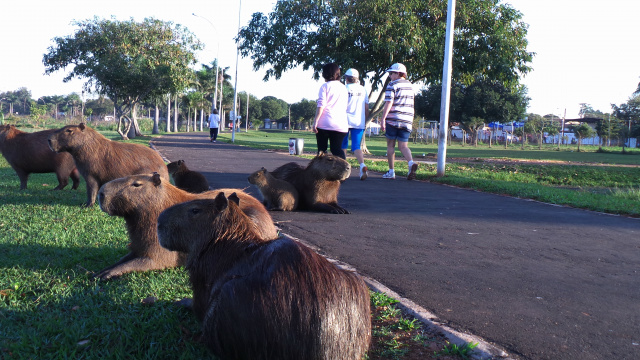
(541, 281)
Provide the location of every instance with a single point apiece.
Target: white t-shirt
(333, 97)
(214, 120)
(358, 103)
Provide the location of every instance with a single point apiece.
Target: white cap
(397, 67)
(352, 72)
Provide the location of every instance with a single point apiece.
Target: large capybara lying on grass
(139, 199)
(260, 299)
(29, 153)
(317, 184)
(185, 179)
(100, 160)
(277, 194)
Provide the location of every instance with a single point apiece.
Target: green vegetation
(463, 351)
(581, 179)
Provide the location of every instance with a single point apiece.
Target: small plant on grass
(463, 351)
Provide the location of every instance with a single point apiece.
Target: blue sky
(586, 50)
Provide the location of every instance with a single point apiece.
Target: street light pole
(235, 87)
(215, 94)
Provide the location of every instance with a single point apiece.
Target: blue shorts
(395, 133)
(356, 139)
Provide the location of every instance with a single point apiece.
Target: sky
(586, 50)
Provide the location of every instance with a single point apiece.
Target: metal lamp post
(235, 90)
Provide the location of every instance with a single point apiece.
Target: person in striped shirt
(397, 119)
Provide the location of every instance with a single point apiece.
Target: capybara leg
(23, 176)
(133, 265)
(62, 182)
(75, 178)
(92, 192)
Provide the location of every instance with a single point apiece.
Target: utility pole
(446, 89)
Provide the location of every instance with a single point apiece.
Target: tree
(539, 126)
(255, 108)
(273, 108)
(56, 100)
(126, 60)
(303, 112)
(583, 131)
(370, 35)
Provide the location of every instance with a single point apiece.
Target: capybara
(317, 184)
(277, 194)
(29, 153)
(260, 299)
(139, 199)
(185, 179)
(100, 160)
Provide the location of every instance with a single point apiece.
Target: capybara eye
(137, 184)
(195, 211)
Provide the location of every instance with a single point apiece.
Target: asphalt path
(538, 280)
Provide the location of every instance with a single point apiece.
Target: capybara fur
(277, 194)
(100, 160)
(29, 153)
(260, 299)
(185, 179)
(318, 184)
(139, 199)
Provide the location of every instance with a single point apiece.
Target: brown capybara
(277, 194)
(29, 153)
(317, 184)
(185, 179)
(139, 199)
(100, 160)
(260, 299)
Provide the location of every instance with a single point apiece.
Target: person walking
(214, 122)
(357, 114)
(397, 119)
(330, 123)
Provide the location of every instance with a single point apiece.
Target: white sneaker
(363, 173)
(389, 175)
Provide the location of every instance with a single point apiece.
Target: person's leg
(211, 134)
(322, 139)
(335, 143)
(215, 134)
(345, 141)
(391, 152)
(406, 152)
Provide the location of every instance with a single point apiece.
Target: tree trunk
(156, 121)
(175, 114)
(169, 113)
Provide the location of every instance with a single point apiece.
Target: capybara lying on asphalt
(317, 184)
(100, 160)
(260, 299)
(139, 199)
(185, 179)
(277, 194)
(30, 153)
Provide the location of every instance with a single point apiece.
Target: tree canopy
(126, 60)
(370, 35)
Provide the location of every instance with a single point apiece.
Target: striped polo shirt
(400, 93)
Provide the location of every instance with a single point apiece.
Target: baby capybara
(29, 153)
(185, 179)
(318, 183)
(100, 160)
(139, 199)
(277, 194)
(260, 299)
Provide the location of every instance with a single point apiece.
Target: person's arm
(385, 112)
(319, 111)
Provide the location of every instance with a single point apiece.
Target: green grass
(594, 180)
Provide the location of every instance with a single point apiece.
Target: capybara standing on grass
(277, 194)
(260, 299)
(317, 184)
(139, 199)
(29, 153)
(185, 179)
(100, 160)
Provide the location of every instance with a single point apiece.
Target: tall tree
(583, 131)
(303, 112)
(126, 60)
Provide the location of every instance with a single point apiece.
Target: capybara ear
(180, 162)
(81, 126)
(263, 170)
(221, 202)
(234, 197)
(321, 154)
(156, 179)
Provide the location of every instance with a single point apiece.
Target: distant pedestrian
(214, 122)
(357, 114)
(397, 119)
(330, 122)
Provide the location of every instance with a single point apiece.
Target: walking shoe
(211, 140)
(412, 173)
(389, 175)
(363, 173)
